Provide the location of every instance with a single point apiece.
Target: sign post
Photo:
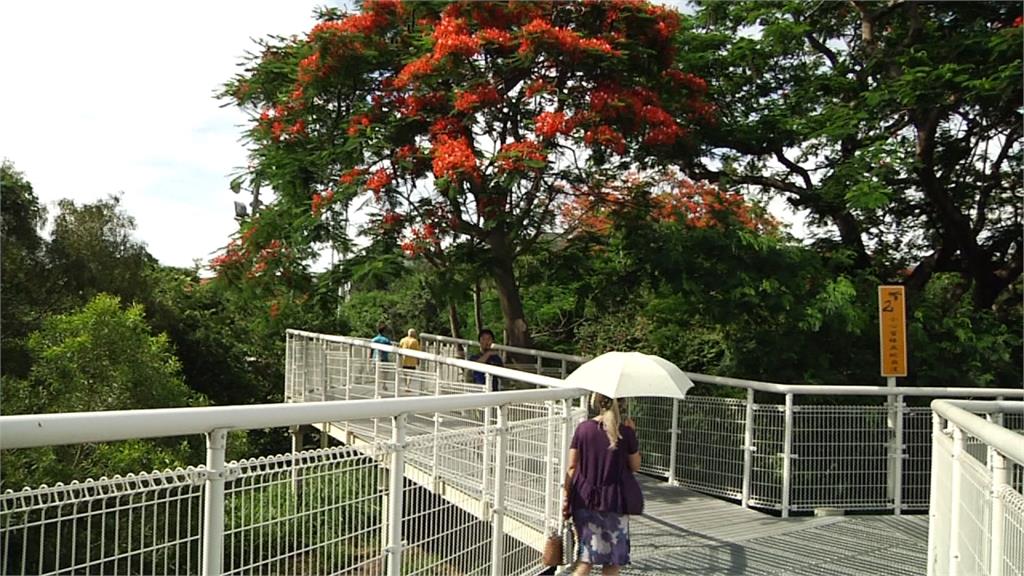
(892, 327)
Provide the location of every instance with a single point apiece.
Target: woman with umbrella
(600, 489)
(603, 456)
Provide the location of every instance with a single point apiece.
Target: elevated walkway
(682, 531)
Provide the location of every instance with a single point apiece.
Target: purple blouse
(597, 484)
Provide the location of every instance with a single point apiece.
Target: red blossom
(513, 156)
(494, 36)
(447, 126)
(309, 68)
(469, 100)
(391, 218)
(316, 204)
(276, 129)
(378, 181)
(547, 125)
(453, 157)
(452, 37)
(352, 175)
(605, 136)
(419, 67)
(1017, 22)
(536, 87)
(298, 128)
(358, 123)
(275, 309)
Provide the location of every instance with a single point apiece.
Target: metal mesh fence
(138, 524)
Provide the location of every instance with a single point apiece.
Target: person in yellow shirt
(410, 342)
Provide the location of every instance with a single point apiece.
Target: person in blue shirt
(487, 355)
(381, 338)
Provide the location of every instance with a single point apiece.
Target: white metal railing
(976, 519)
(440, 482)
(778, 449)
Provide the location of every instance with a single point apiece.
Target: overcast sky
(114, 97)
(107, 97)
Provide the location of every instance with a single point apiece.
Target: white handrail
(507, 348)
(34, 430)
(772, 387)
(1007, 442)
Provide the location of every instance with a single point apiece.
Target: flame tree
(457, 123)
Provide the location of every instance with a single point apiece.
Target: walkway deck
(684, 532)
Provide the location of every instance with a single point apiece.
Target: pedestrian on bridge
(601, 491)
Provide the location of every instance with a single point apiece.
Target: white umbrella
(625, 374)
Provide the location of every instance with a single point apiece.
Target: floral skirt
(603, 537)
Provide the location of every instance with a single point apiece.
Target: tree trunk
(478, 314)
(508, 292)
(453, 320)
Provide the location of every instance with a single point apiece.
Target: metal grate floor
(683, 532)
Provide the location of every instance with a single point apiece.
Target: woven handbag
(553, 551)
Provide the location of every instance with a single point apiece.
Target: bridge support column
(498, 512)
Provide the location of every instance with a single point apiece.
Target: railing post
(540, 365)
(897, 500)
(787, 455)
(288, 367)
(1000, 479)
(933, 499)
(398, 375)
(213, 506)
(955, 501)
(376, 393)
(296, 433)
(498, 512)
(485, 471)
(748, 448)
(435, 456)
(674, 442)
(550, 489)
(395, 494)
(564, 371)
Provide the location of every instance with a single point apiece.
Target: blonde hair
(609, 417)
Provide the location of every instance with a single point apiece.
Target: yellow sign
(892, 323)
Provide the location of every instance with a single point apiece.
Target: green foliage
(895, 126)
(23, 288)
(102, 357)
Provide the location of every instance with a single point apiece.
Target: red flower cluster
(536, 87)
(541, 31)
(366, 24)
(378, 181)
(413, 105)
(309, 68)
(547, 125)
(469, 100)
(358, 123)
(1017, 22)
(680, 78)
(452, 37)
(494, 36)
(391, 219)
(607, 137)
(419, 67)
(352, 175)
(513, 156)
(453, 157)
(447, 126)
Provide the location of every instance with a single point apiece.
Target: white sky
(111, 96)
(118, 97)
